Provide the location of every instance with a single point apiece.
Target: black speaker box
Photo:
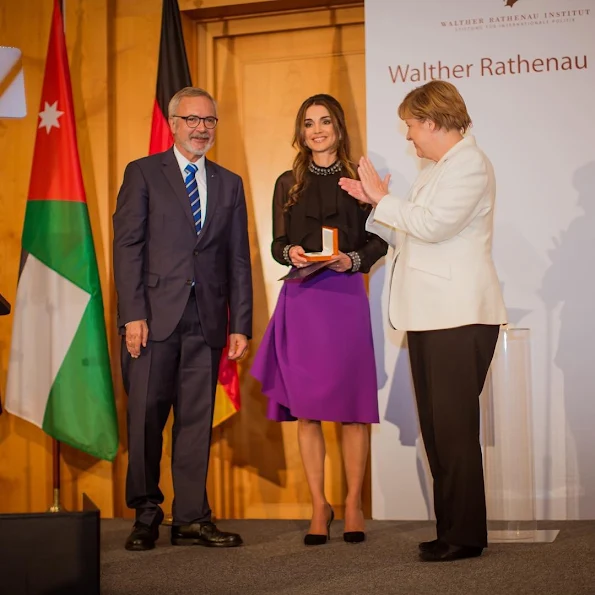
(49, 553)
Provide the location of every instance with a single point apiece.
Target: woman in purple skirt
(316, 360)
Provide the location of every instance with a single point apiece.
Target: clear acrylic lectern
(507, 442)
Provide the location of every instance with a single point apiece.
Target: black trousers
(449, 368)
(180, 372)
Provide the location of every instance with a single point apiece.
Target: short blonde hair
(188, 92)
(439, 102)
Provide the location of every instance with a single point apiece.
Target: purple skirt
(316, 359)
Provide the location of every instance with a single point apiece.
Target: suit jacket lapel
(423, 178)
(431, 171)
(171, 169)
(213, 188)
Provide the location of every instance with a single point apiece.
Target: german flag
(174, 74)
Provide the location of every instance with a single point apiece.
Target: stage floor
(274, 561)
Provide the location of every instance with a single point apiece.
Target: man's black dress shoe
(143, 536)
(444, 552)
(428, 546)
(205, 534)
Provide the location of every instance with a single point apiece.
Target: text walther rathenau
(427, 71)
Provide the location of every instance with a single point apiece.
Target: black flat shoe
(428, 546)
(354, 537)
(445, 552)
(315, 539)
(205, 534)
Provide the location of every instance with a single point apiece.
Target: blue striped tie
(192, 189)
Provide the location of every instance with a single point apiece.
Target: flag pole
(56, 505)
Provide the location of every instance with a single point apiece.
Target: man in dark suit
(183, 278)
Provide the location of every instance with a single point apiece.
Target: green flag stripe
(58, 233)
(80, 409)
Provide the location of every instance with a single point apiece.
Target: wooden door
(260, 70)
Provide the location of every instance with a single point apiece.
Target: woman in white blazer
(444, 291)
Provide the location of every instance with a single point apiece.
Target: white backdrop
(526, 69)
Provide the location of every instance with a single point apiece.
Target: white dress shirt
(201, 180)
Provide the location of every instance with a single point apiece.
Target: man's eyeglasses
(193, 121)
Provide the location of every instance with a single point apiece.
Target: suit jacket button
(188, 281)
(195, 253)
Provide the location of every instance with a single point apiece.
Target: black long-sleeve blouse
(322, 202)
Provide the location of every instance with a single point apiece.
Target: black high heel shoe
(315, 539)
(354, 536)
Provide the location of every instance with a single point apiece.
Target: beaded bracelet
(356, 261)
(286, 250)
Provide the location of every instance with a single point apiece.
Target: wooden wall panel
(113, 46)
(25, 451)
(22, 447)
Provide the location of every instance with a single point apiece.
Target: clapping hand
(370, 188)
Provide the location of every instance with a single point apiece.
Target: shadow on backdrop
(570, 281)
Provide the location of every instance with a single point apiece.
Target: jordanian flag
(173, 74)
(59, 374)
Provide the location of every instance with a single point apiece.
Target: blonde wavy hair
(439, 102)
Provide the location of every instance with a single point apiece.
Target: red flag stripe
(229, 380)
(56, 148)
(161, 137)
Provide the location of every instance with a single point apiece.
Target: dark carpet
(274, 561)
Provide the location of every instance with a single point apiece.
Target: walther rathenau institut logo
(515, 13)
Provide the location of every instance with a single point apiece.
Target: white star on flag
(49, 116)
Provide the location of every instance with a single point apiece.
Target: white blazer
(442, 274)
